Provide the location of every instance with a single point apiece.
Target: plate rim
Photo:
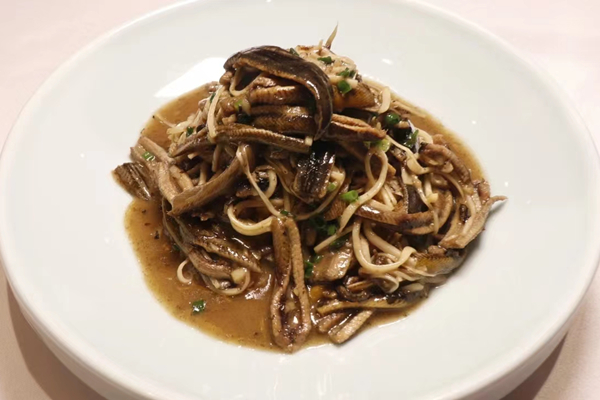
(57, 337)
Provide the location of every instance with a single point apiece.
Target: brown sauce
(241, 319)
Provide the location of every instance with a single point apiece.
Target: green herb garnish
(198, 306)
(149, 156)
(391, 119)
(189, 130)
(321, 226)
(350, 196)
(347, 73)
(294, 52)
(331, 229)
(309, 265)
(212, 96)
(308, 269)
(383, 144)
(286, 213)
(344, 87)
(331, 187)
(327, 60)
(175, 247)
(339, 243)
(411, 139)
(237, 105)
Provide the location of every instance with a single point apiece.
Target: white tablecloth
(36, 36)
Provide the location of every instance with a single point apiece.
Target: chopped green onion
(294, 52)
(237, 105)
(391, 119)
(339, 243)
(189, 130)
(344, 87)
(317, 259)
(383, 145)
(350, 196)
(411, 139)
(327, 60)
(308, 269)
(198, 306)
(212, 96)
(331, 187)
(149, 156)
(347, 73)
(286, 213)
(331, 229)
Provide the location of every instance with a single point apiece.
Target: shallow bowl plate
(75, 276)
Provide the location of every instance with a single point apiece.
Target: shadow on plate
(532, 385)
(50, 374)
(60, 384)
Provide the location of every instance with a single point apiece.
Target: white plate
(76, 278)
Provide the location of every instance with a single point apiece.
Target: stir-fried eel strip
(443, 263)
(284, 119)
(200, 195)
(313, 173)
(373, 303)
(290, 307)
(133, 177)
(244, 133)
(469, 232)
(347, 329)
(202, 264)
(352, 129)
(282, 63)
(220, 246)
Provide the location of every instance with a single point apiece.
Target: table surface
(36, 36)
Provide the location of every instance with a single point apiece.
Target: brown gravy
(243, 319)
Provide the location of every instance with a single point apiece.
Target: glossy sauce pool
(242, 319)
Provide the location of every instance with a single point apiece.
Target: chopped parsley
(212, 96)
(286, 213)
(198, 306)
(391, 119)
(321, 226)
(347, 73)
(344, 87)
(294, 52)
(411, 139)
(350, 196)
(189, 130)
(149, 156)
(309, 265)
(327, 60)
(331, 229)
(383, 144)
